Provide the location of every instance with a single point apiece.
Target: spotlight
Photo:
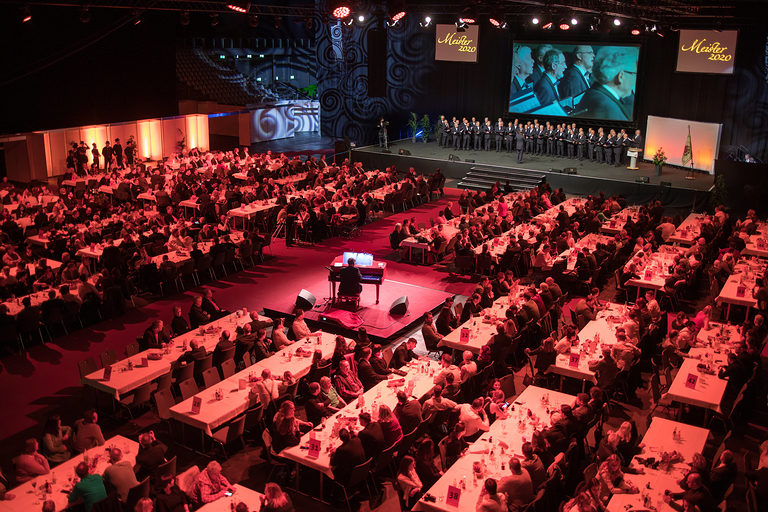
(136, 14)
(496, 23)
(341, 11)
(460, 26)
(85, 15)
(616, 22)
(635, 30)
(396, 10)
(547, 26)
(574, 21)
(398, 16)
(535, 20)
(427, 22)
(361, 18)
(26, 14)
(184, 19)
(467, 21)
(214, 19)
(239, 6)
(253, 21)
(564, 26)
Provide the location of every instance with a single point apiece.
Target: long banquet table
(654, 269)
(150, 364)
(663, 435)
(30, 495)
(242, 494)
(490, 454)
(234, 390)
(689, 230)
(737, 290)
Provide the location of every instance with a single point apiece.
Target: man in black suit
(117, 150)
(546, 88)
(446, 319)
(498, 133)
(522, 67)
(638, 144)
(372, 437)
(539, 68)
(611, 143)
(155, 336)
(403, 354)
(466, 135)
(539, 132)
(211, 307)
(179, 324)
(576, 78)
(520, 142)
(346, 456)
(365, 372)
(591, 140)
(408, 412)
(614, 77)
(487, 130)
(600, 145)
(456, 135)
(349, 279)
(580, 140)
(197, 315)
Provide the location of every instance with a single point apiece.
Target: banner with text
(456, 46)
(707, 51)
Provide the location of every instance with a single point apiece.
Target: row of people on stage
(561, 140)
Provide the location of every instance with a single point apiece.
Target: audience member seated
(88, 432)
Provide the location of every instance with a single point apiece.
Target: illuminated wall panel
(671, 135)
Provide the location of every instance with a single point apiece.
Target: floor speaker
(305, 300)
(399, 307)
(454, 158)
(569, 170)
(471, 161)
(404, 152)
(385, 150)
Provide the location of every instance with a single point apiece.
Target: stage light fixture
(467, 21)
(184, 19)
(347, 22)
(565, 26)
(85, 15)
(253, 21)
(361, 18)
(616, 22)
(426, 22)
(396, 9)
(241, 7)
(547, 26)
(136, 14)
(398, 16)
(26, 14)
(636, 30)
(214, 19)
(341, 10)
(535, 20)
(574, 21)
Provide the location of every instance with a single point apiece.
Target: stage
(381, 326)
(671, 187)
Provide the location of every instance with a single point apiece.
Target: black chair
(231, 432)
(358, 477)
(137, 492)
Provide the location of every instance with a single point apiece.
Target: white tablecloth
(123, 381)
(486, 451)
(654, 268)
(242, 494)
(708, 390)
(689, 230)
(420, 373)
(214, 413)
(653, 483)
(744, 274)
(616, 223)
(29, 499)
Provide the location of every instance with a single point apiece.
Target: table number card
(144, 362)
(242, 384)
(741, 290)
(648, 275)
(314, 447)
(690, 381)
(453, 497)
(573, 360)
(107, 372)
(197, 403)
(464, 335)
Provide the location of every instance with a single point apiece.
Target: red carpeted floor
(45, 380)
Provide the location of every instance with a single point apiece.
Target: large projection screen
(671, 135)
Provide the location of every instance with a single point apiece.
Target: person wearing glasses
(613, 74)
(576, 78)
(546, 89)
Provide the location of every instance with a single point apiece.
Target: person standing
(591, 139)
(509, 137)
(576, 78)
(548, 136)
(581, 139)
(600, 142)
(96, 157)
(520, 142)
(107, 152)
(466, 135)
(499, 134)
(638, 144)
(117, 150)
(456, 135)
(487, 134)
(382, 127)
(539, 132)
(560, 139)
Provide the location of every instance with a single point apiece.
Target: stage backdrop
(671, 135)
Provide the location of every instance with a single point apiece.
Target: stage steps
(483, 178)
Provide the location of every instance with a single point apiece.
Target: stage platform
(671, 187)
(381, 326)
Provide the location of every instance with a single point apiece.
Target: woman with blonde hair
(287, 428)
(144, 505)
(275, 500)
(408, 481)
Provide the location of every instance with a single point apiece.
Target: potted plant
(413, 124)
(658, 160)
(426, 128)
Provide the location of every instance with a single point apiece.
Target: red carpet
(45, 380)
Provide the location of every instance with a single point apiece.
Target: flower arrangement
(659, 158)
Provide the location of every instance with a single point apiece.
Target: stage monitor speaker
(305, 300)
(642, 179)
(454, 158)
(569, 170)
(665, 184)
(377, 63)
(469, 160)
(399, 307)
(404, 152)
(385, 150)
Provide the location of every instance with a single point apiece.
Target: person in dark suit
(371, 436)
(197, 315)
(346, 456)
(403, 354)
(155, 336)
(614, 77)
(223, 347)
(408, 412)
(539, 68)
(365, 372)
(591, 140)
(446, 319)
(117, 150)
(349, 279)
(211, 307)
(179, 324)
(605, 369)
(638, 143)
(522, 67)
(546, 88)
(498, 132)
(520, 142)
(600, 145)
(196, 352)
(576, 78)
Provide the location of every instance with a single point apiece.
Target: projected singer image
(593, 81)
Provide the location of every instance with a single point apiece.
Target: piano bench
(349, 299)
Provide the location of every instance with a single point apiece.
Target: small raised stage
(381, 326)
(671, 187)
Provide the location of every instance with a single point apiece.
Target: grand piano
(371, 270)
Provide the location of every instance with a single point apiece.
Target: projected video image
(595, 81)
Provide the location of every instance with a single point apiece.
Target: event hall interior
(384, 255)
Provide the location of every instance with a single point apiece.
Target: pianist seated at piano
(349, 279)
